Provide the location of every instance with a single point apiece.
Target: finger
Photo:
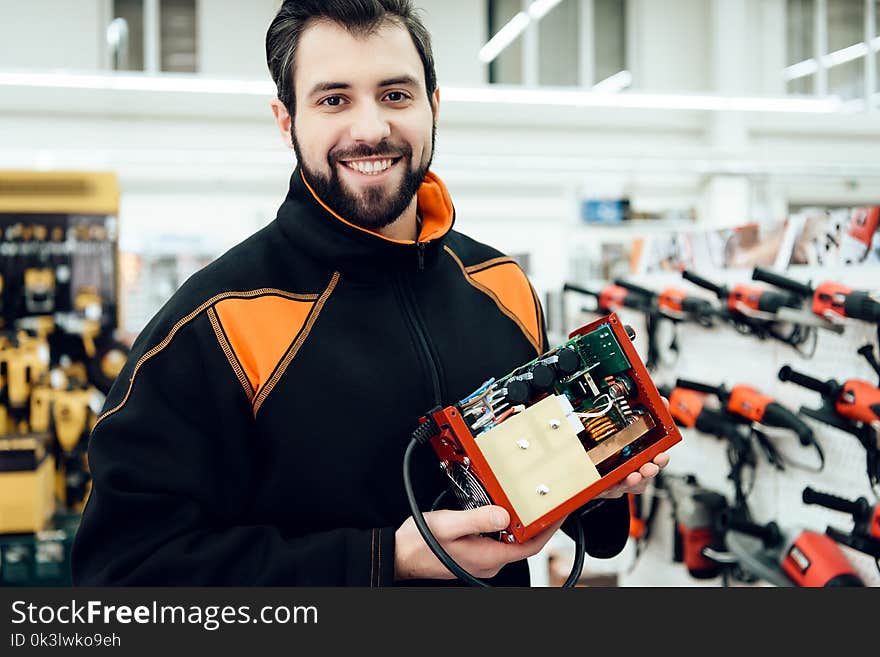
(632, 479)
(662, 460)
(640, 488)
(449, 525)
(649, 470)
(665, 401)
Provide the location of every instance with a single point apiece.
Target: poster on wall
(809, 236)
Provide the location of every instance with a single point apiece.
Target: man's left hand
(636, 482)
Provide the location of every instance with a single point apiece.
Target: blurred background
(592, 140)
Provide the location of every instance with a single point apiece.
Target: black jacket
(256, 435)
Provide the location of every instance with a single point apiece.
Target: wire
(597, 413)
(448, 561)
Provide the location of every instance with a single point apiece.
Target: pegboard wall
(721, 355)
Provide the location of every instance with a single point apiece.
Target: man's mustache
(382, 149)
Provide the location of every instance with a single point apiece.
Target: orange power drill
(751, 405)
(852, 406)
(865, 536)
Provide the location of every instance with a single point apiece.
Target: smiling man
(256, 435)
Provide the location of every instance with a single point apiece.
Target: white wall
(227, 31)
(671, 44)
(51, 34)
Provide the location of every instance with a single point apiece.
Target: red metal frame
(454, 443)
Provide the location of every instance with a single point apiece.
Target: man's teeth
(371, 167)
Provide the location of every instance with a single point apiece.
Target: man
(256, 435)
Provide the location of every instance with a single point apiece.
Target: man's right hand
(459, 534)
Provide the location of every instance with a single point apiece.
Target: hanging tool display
(852, 406)
(663, 310)
(59, 300)
(545, 439)
(830, 301)
(749, 405)
(753, 310)
(787, 556)
(865, 534)
(689, 409)
(611, 298)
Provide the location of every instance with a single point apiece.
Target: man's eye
(396, 96)
(332, 101)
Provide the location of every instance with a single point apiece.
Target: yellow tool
(27, 468)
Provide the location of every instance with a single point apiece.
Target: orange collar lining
(433, 201)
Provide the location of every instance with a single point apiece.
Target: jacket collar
(309, 222)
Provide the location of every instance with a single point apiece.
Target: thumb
(454, 524)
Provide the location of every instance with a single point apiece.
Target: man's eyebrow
(401, 79)
(328, 86)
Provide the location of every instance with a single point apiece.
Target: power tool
(830, 301)
(751, 405)
(689, 409)
(865, 535)
(806, 558)
(694, 511)
(611, 298)
(852, 406)
(545, 439)
(753, 310)
(675, 303)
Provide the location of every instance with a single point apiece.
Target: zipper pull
(421, 253)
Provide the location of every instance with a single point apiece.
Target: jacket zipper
(421, 335)
(421, 254)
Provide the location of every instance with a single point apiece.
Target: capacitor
(543, 376)
(518, 391)
(568, 362)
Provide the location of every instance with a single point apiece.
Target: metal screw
(443, 465)
(554, 424)
(543, 489)
(510, 538)
(522, 443)
(466, 460)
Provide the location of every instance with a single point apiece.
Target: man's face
(363, 130)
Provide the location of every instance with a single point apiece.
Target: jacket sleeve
(606, 525)
(173, 468)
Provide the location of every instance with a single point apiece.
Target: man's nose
(370, 124)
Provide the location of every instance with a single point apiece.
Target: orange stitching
(181, 323)
(230, 355)
(313, 317)
(489, 263)
(491, 295)
(540, 318)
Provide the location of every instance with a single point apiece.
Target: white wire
(597, 413)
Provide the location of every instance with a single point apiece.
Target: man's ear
(435, 103)
(282, 120)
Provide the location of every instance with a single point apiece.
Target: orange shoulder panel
(261, 330)
(512, 289)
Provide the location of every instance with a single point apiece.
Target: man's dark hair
(359, 17)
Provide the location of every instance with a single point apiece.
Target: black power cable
(420, 436)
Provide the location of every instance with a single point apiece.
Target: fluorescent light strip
(540, 8)
(614, 83)
(492, 94)
(513, 28)
(571, 98)
(164, 82)
(504, 37)
(845, 55)
(842, 56)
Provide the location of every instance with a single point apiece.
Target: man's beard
(373, 208)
